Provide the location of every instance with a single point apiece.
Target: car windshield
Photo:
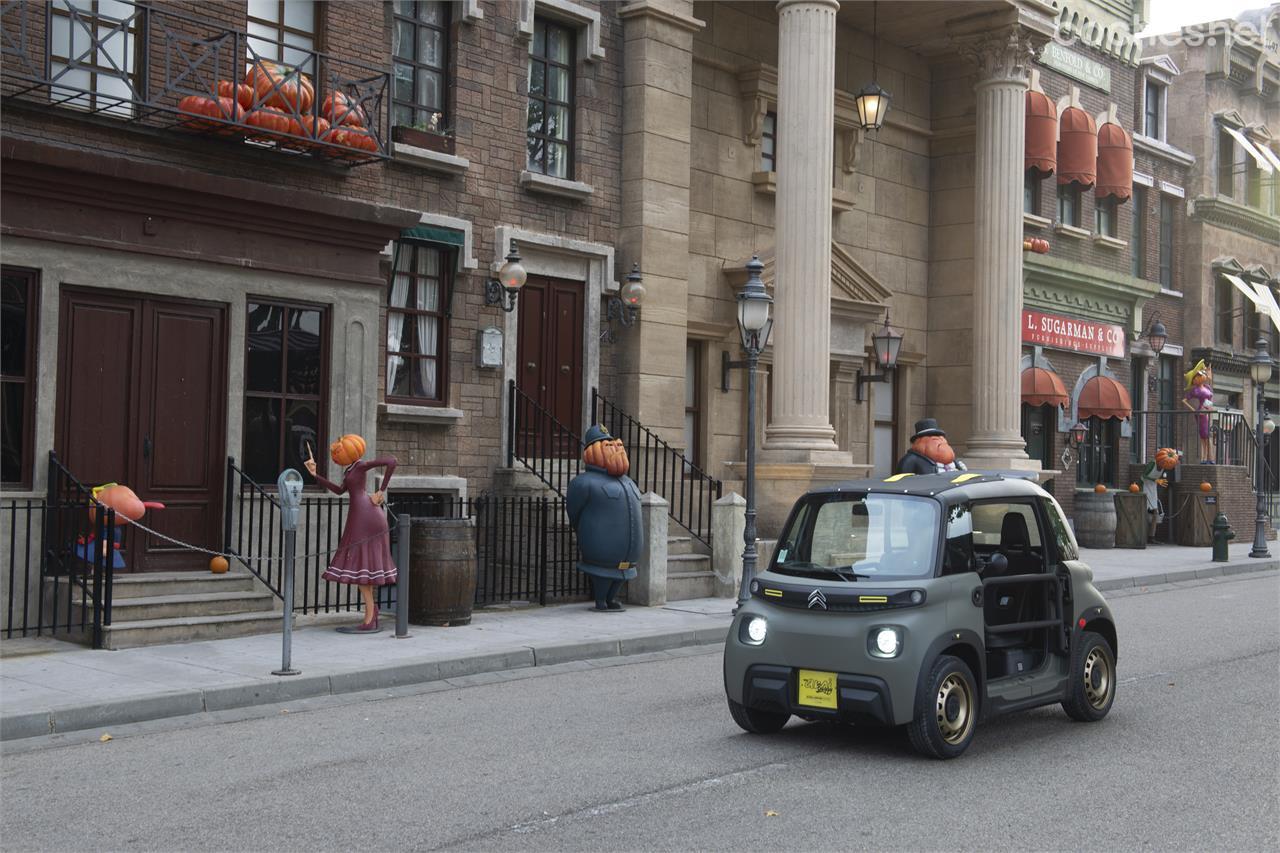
(850, 536)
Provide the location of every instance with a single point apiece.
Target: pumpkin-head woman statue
(1199, 398)
(604, 509)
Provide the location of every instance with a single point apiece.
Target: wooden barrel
(442, 571)
(1131, 520)
(1095, 518)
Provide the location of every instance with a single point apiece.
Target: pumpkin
(609, 455)
(1166, 458)
(341, 108)
(1133, 487)
(271, 122)
(347, 449)
(219, 108)
(1206, 487)
(281, 86)
(218, 565)
(242, 93)
(350, 138)
(128, 506)
(1100, 489)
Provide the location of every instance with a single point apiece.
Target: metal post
(749, 532)
(402, 576)
(1260, 523)
(286, 652)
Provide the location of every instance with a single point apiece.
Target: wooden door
(549, 368)
(141, 401)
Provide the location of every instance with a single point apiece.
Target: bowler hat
(927, 426)
(595, 433)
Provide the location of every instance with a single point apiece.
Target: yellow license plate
(817, 689)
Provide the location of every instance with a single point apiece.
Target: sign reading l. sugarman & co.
(1076, 66)
(1051, 330)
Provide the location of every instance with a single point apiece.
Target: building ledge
(1057, 286)
(436, 415)
(431, 161)
(766, 183)
(1030, 220)
(1164, 291)
(1225, 213)
(1108, 242)
(1071, 231)
(537, 183)
(1160, 148)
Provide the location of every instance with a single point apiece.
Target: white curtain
(428, 299)
(395, 320)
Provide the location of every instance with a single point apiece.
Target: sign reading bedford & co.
(1072, 64)
(1050, 330)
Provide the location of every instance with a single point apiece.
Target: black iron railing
(548, 448)
(526, 551)
(1230, 435)
(156, 66)
(658, 467)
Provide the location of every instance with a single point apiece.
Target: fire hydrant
(1222, 534)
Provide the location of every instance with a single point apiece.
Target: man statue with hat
(930, 452)
(604, 510)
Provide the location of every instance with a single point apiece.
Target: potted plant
(431, 135)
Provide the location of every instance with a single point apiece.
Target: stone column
(801, 423)
(1002, 55)
(649, 587)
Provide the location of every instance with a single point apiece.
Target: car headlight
(885, 641)
(754, 630)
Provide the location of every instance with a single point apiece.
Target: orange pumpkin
(341, 108)
(218, 565)
(219, 108)
(242, 93)
(312, 128)
(281, 86)
(1100, 489)
(358, 138)
(347, 449)
(609, 455)
(1133, 487)
(1166, 458)
(1206, 487)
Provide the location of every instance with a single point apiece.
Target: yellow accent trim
(964, 478)
(773, 593)
(873, 599)
(896, 477)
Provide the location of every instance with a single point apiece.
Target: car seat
(1007, 604)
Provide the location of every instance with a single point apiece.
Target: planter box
(423, 139)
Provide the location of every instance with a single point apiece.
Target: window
(1031, 193)
(1167, 395)
(884, 402)
(286, 387)
(1138, 240)
(769, 143)
(877, 535)
(1153, 110)
(550, 125)
(1253, 183)
(1138, 395)
(1104, 214)
(1168, 209)
(417, 324)
(1259, 325)
(1226, 164)
(1225, 309)
(420, 60)
(1059, 529)
(1069, 204)
(291, 22)
(17, 375)
(1037, 432)
(692, 404)
(1098, 452)
(93, 50)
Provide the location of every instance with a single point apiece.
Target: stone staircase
(152, 608)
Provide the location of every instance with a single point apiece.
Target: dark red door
(141, 401)
(550, 358)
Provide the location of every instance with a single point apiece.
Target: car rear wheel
(1091, 688)
(946, 711)
(756, 721)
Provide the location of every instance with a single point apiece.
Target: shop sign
(1056, 332)
(1072, 64)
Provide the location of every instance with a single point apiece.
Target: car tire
(1091, 685)
(946, 712)
(756, 721)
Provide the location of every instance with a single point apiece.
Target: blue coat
(605, 513)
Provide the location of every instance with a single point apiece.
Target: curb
(225, 697)
(1217, 570)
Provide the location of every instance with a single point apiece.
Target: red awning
(1115, 162)
(1040, 387)
(1103, 397)
(1041, 147)
(1077, 148)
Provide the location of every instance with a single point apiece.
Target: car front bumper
(861, 699)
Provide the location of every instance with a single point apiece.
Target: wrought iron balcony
(155, 66)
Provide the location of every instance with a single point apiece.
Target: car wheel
(946, 711)
(756, 721)
(1091, 686)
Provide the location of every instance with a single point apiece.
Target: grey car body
(818, 622)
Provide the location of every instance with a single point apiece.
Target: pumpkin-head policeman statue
(604, 509)
(930, 451)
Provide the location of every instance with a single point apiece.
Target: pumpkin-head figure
(1201, 374)
(128, 506)
(347, 449)
(601, 450)
(931, 442)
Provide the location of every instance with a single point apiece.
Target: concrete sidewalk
(49, 687)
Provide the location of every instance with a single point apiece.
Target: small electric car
(926, 601)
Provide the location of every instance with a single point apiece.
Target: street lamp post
(1260, 370)
(754, 324)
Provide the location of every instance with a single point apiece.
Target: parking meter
(290, 484)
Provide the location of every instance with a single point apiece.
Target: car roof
(950, 488)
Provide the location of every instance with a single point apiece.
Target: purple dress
(364, 552)
(1198, 396)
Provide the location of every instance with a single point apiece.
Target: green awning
(433, 234)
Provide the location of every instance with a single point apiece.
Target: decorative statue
(930, 452)
(128, 506)
(604, 509)
(364, 551)
(1199, 398)
(1151, 480)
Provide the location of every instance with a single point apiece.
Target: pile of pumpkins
(275, 102)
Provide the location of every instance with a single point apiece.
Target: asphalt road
(641, 754)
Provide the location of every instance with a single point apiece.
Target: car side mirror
(999, 563)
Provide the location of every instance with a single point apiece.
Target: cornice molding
(1054, 285)
(1224, 213)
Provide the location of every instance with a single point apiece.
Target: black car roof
(951, 487)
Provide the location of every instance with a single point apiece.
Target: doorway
(141, 401)
(549, 348)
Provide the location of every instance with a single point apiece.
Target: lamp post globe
(754, 324)
(633, 291)
(1260, 371)
(513, 274)
(1157, 337)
